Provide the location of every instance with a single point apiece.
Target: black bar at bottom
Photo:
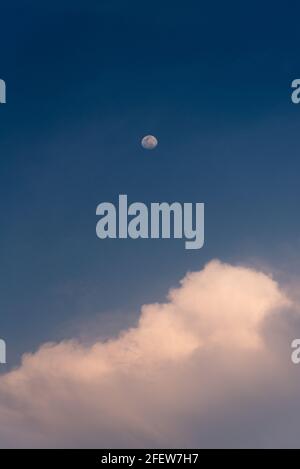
(142, 457)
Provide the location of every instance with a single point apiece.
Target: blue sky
(85, 81)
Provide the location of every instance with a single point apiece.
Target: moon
(149, 142)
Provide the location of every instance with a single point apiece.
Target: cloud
(206, 368)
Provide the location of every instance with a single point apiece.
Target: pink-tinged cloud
(199, 370)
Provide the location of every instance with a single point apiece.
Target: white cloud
(194, 366)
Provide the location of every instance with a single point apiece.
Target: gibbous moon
(149, 142)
